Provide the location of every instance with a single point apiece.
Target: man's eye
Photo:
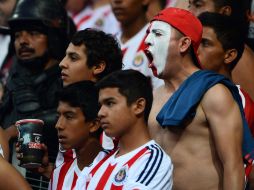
(34, 33)
(73, 58)
(69, 116)
(110, 104)
(17, 34)
(157, 34)
(205, 43)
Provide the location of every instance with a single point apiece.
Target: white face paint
(158, 41)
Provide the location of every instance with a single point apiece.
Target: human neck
(136, 137)
(173, 81)
(88, 152)
(100, 3)
(226, 72)
(131, 29)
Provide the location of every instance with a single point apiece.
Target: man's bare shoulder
(218, 98)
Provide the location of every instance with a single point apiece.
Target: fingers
(19, 153)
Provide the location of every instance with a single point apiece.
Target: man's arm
(11, 179)
(224, 117)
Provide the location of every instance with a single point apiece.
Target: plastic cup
(30, 130)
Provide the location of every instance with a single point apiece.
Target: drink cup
(30, 130)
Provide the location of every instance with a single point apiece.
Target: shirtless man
(194, 128)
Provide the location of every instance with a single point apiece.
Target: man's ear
(94, 125)
(97, 69)
(139, 106)
(225, 10)
(230, 56)
(184, 44)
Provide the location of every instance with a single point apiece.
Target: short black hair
(228, 31)
(100, 47)
(133, 85)
(83, 95)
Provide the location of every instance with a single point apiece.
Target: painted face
(73, 130)
(211, 52)
(30, 44)
(115, 115)
(199, 6)
(158, 40)
(74, 65)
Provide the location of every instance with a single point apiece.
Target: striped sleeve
(152, 171)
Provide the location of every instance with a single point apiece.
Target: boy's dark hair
(100, 47)
(239, 11)
(227, 30)
(82, 95)
(132, 84)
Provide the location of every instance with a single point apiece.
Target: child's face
(72, 128)
(74, 65)
(115, 115)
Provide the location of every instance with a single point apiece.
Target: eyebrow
(71, 53)
(106, 100)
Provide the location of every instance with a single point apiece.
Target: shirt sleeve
(152, 171)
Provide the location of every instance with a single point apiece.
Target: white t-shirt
(134, 56)
(147, 167)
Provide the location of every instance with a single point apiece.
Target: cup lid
(36, 121)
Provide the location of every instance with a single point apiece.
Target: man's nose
(59, 124)
(62, 64)
(23, 37)
(148, 41)
(101, 112)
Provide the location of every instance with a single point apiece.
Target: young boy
(91, 55)
(78, 128)
(139, 162)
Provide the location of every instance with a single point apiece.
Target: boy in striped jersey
(78, 128)
(139, 162)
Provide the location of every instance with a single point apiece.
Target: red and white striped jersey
(101, 18)
(82, 16)
(147, 167)
(66, 172)
(248, 106)
(134, 56)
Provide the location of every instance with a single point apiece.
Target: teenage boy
(222, 43)
(139, 162)
(79, 129)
